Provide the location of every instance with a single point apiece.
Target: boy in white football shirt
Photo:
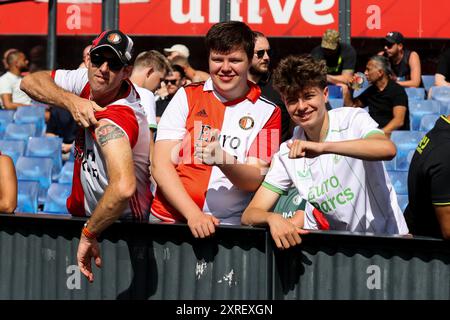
(334, 161)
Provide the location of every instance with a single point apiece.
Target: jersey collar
(253, 93)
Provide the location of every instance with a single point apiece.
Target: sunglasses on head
(260, 53)
(113, 63)
(172, 82)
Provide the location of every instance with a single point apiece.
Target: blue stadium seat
(406, 142)
(399, 180)
(335, 92)
(441, 94)
(14, 149)
(389, 165)
(415, 93)
(66, 173)
(36, 169)
(417, 109)
(402, 201)
(428, 81)
(27, 196)
(31, 114)
(55, 201)
(336, 103)
(46, 147)
(7, 116)
(427, 122)
(16, 131)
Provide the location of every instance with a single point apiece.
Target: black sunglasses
(389, 44)
(113, 63)
(172, 82)
(260, 53)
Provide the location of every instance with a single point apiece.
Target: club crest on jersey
(246, 123)
(114, 38)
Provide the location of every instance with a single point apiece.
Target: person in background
(192, 75)
(173, 81)
(216, 139)
(405, 63)
(8, 185)
(177, 50)
(334, 161)
(260, 74)
(85, 62)
(386, 99)
(442, 76)
(428, 210)
(5, 57)
(10, 93)
(111, 170)
(340, 58)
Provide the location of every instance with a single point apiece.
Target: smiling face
(308, 108)
(229, 73)
(105, 82)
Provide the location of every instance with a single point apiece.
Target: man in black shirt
(428, 211)
(387, 100)
(405, 63)
(340, 58)
(442, 77)
(173, 81)
(260, 74)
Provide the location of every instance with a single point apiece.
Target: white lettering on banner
(374, 279)
(309, 10)
(194, 14)
(235, 10)
(281, 15)
(74, 19)
(374, 20)
(214, 11)
(254, 15)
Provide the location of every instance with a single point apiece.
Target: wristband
(87, 233)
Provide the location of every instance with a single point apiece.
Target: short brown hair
(296, 73)
(224, 37)
(153, 58)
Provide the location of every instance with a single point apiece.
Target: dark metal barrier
(164, 261)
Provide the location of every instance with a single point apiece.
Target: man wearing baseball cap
(339, 57)
(405, 64)
(176, 50)
(112, 150)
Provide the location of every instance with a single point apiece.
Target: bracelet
(87, 233)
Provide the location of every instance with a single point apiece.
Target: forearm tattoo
(109, 132)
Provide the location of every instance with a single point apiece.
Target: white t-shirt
(354, 195)
(10, 84)
(90, 173)
(148, 102)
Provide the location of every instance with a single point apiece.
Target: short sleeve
(172, 125)
(349, 58)
(400, 98)
(277, 179)
(71, 80)
(440, 177)
(5, 85)
(363, 125)
(124, 118)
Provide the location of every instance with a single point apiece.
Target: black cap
(120, 43)
(394, 37)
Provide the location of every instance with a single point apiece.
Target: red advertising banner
(413, 18)
(278, 18)
(290, 18)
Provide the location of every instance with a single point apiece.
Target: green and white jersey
(354, 195)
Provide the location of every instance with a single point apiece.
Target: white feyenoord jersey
(90, 178)
(249, 127)
(354, 195)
